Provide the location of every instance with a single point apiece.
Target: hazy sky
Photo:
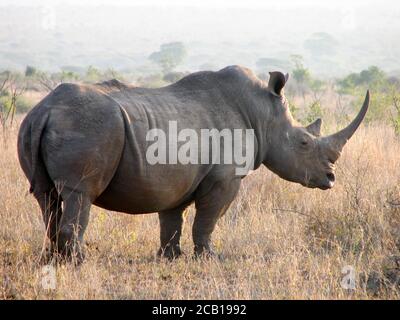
(209, 3)
(122, 33)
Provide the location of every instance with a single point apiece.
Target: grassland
(279, 240)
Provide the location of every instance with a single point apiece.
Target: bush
(385, 99)
(293, 109)
(314, 111)
(23, 104)
(381, 106)
(371, 78)
(151, 81)
(396, 114)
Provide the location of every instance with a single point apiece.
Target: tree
(93, 74)
(49, 81)
(30, 71)
(300, 74)
(383, 100)
(68, 76)
(10, 91)
(373, 78)
(169, 56)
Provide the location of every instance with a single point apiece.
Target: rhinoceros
(86, 144)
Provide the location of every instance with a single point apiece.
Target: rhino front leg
(171, 223)
(209, 208)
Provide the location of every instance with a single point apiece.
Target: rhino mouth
(327, 183)
(327, 186)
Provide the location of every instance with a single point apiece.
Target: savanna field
(279, 240)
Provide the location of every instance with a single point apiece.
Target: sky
(205, 3)
(121, 34)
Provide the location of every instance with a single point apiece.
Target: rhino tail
(38, 170)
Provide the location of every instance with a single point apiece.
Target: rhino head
(300, 154)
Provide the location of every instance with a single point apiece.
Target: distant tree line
(163, 69)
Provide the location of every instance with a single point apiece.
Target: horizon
(49, 36)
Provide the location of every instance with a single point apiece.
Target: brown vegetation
(278, 240)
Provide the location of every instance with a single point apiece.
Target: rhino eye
(304, 143)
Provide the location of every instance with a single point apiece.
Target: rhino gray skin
(85, 144)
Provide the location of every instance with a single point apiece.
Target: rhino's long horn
(339, 139)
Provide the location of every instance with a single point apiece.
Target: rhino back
(197, 102)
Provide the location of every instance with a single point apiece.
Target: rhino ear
(277, 81)
(315, 127)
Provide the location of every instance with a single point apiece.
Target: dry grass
(278, 240)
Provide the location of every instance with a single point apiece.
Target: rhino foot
(170, 252)
(204, 252)
(68, 254)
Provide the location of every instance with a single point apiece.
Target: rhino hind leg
(50, 204)
(171, 224)
(72, 225)
(209, 208)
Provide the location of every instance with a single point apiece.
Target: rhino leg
(50, 205)
(171, 223)
(209, 208)
(73, 224)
